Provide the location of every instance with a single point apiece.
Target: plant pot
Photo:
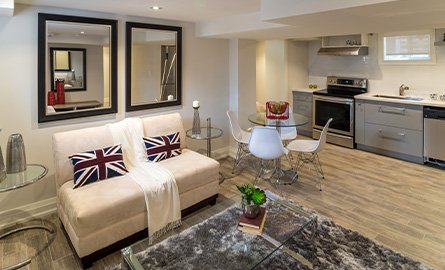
(251, 211)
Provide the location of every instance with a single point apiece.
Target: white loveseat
(106, 215)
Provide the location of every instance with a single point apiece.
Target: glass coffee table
(285, 221)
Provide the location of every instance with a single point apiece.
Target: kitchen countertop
(425, 102)
(305, 90)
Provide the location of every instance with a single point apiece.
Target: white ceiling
(276, 19)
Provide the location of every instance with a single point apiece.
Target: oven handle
(335, 99)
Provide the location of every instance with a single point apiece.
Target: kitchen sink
(399, 97)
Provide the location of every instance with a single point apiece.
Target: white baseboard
(220, 153)
(27, 212)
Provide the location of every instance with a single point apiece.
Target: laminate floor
(398, 204)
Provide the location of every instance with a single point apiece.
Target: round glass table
(294, 120)
(207, 133)
(32, 174)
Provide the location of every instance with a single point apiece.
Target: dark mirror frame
(129, 41)
(52, 69)
(41, 66)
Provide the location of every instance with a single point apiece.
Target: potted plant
(253, 197)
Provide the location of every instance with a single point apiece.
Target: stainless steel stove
(337, 102)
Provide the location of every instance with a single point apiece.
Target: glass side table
(32, 174)
(207, 133)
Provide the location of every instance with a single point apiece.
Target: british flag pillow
(162, 147)
(99, 164)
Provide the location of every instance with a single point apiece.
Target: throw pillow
(98, 164)
(162, 147)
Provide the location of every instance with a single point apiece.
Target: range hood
(344, 51)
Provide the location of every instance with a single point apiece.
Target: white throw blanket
(157, 183)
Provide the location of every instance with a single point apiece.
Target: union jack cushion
(99, 164)
(162, 147)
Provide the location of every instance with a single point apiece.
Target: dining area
(272, 146)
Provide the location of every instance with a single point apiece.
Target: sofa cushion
(100, 204)
(98, 164)
(191, 170)
(162, 147)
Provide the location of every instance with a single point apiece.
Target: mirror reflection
(69, 65)
(78, 67)
(154, 67)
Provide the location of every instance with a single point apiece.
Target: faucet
(403, 89)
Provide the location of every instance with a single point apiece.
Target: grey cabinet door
(397, 115)
(360, 123)
(302, 104)
(405, 141)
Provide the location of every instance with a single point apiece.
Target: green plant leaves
(252, 194)
(258, 196)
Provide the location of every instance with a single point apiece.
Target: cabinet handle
(392, 110)
(399, 136)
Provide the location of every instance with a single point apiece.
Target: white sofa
(99, 217)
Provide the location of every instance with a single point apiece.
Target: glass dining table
(288, 176)
(295, 120)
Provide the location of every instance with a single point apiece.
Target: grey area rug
(217, 244)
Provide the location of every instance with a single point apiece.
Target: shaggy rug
(217, 244)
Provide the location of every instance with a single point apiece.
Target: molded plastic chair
(241, 137)
(265, 143)
(311, 147)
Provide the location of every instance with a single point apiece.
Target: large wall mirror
(77, 67)
(153, 66)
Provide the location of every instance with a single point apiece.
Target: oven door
(341, 110)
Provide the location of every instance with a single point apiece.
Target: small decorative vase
(2, 165)
(15, 154)
(252, 211)
(196, 129)
(60, 87)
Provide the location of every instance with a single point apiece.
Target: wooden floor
(398, 204)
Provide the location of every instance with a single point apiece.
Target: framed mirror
(153, 67)
(68, 64)
(77, 67)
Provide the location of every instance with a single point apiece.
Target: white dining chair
(265, 143)
(241, 137)
(308, 152)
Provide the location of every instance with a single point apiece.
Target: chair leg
(237, 158)
(318, 169)
(241, 153)
(260, 172)
(319, 165)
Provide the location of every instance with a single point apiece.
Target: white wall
(297, 65)
(205, 77)
(146, 73)
(272, 79)
(242, 81)
(422, 79)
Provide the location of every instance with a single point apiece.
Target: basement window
(408, 48)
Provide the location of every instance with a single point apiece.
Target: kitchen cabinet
(359, 122)
(346, 40)
(393, 129)
(302, 104)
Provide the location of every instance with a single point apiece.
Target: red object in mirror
(51, 98)
(60, 87)
(277, 110)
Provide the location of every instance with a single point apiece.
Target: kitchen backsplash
(422, 79)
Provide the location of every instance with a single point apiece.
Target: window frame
(381, 46)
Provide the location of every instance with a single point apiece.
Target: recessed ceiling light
(82, 32)
(156, 7)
